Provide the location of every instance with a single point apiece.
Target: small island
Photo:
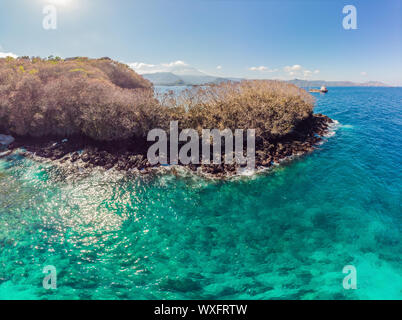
(98, 112)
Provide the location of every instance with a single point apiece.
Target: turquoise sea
(282, 234)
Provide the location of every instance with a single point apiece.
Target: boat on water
(323, 89)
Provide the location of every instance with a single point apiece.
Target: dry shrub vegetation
(273, 108)
(99, 98)
(106, 101)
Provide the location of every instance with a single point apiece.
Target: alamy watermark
(350, 281)
(50, 280)
(189, 153)
(49, 21)
(350, 20)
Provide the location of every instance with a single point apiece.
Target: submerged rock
(6, 140)
(5, 153)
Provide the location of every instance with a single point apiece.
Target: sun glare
(59, 2)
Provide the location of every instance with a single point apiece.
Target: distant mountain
(164, 79)
(319, 83)
(201, 79)
(188, 76)
(183, 79)
(374, 84)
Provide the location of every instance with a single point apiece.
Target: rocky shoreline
(131, 155)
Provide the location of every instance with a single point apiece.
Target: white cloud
(177, 63)
(177, 67)
(262, 69)
(7, 54)
(219, 67)
(297, 70)
(363, 73)
(295, 67)
(142, 67)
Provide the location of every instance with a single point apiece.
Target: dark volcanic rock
(128, 155)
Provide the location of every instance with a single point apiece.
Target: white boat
(323, 89)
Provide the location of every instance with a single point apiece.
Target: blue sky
(254, 39)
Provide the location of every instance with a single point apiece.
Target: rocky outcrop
(129, 155)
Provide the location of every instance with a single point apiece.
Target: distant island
(174, 79)
(320, 83)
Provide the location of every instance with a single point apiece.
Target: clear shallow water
(286, 234)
